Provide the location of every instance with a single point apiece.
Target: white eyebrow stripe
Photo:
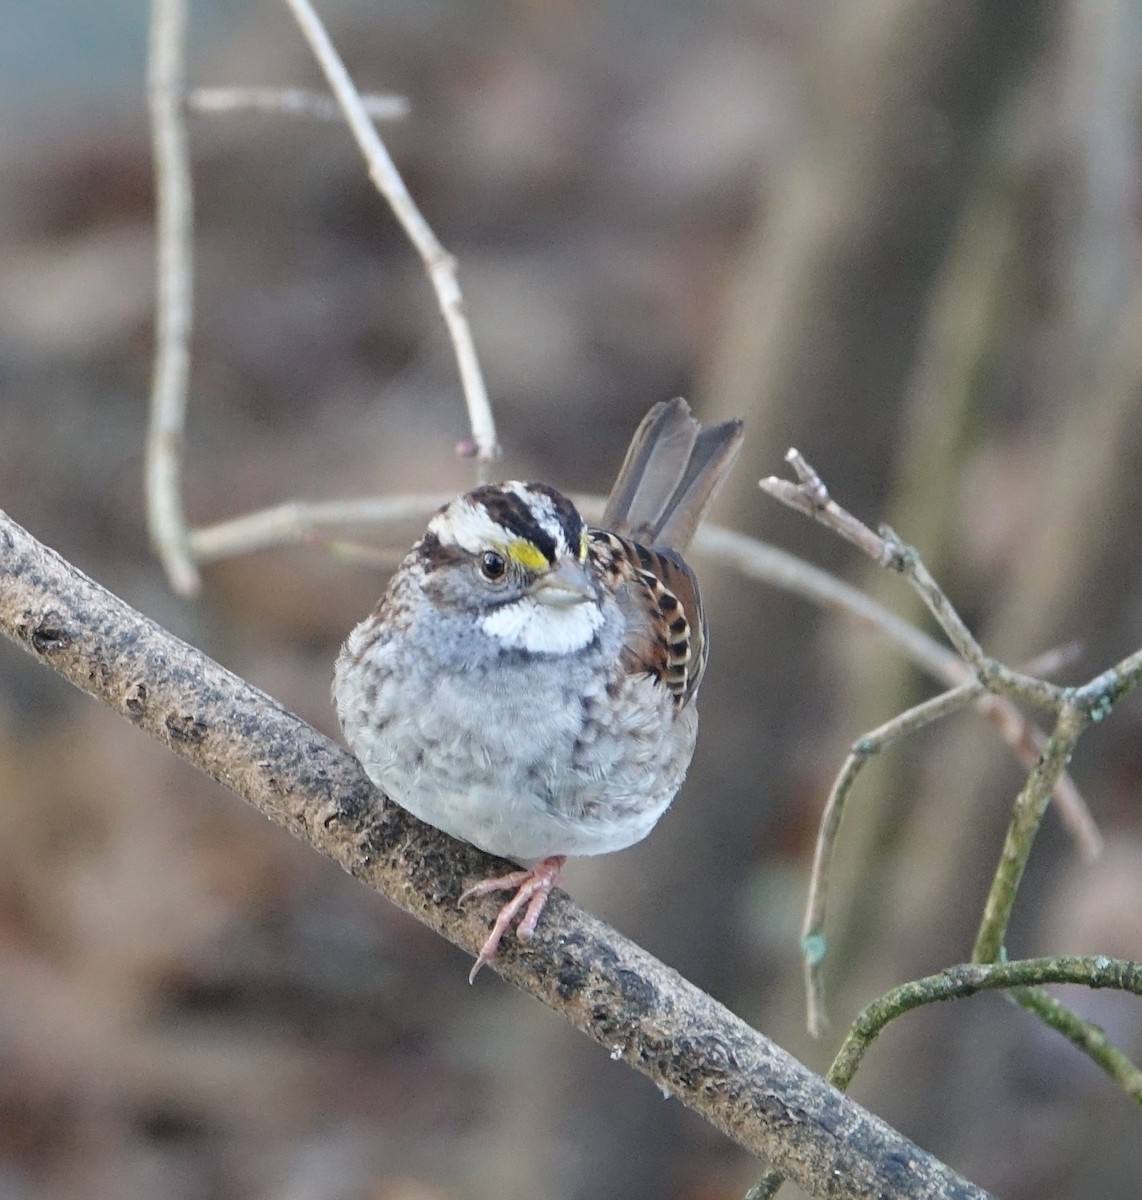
(466, 525)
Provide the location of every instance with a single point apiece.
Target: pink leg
(532, 887)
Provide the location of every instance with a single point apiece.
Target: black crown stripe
(515, 515)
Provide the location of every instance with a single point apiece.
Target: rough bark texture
(616, 993)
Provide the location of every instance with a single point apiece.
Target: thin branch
(439, 264)
(766, 1186)
(610, 989)
(1085, 1036)
(1027, 742)
(1026, 817)
(1082, 707)
(1075, 708)
(293, 102)
(1024, 977)
(298, 521)
(810, 496)
(174, 293)
(813, 943)
(1103, 692)
(769, 564)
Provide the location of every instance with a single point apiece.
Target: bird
(528, 682)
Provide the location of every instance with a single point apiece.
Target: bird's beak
(563, 585)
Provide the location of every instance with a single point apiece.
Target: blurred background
(900, 236)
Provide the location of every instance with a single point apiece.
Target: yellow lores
(527, 554)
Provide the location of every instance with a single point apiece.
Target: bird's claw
(532, 888)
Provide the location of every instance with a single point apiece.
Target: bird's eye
(492, 565)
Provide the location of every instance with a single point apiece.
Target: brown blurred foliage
(901, 237)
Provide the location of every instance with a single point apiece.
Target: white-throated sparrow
(527, 682)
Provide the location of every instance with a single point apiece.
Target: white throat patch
(544, 628)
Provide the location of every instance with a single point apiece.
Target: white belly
(531, 765)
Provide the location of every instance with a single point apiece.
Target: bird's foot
(532, 887)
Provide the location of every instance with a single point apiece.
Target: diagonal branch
(438, 263)
(810, 496)
(607, 987)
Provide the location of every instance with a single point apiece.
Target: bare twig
(813, 942)
(1075, 708)
(293, 102)
(810, 496)
(1024, 976)
(616, 993)
(439, 264)
(1082, 707)
(174, 299)
(297, 521)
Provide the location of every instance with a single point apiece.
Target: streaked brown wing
(658, 593)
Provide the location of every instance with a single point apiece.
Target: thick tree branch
(607, 987)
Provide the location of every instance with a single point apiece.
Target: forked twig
(810, 496)
(1022, 981)
(169, 99)
(1019, 977)
(1076, 708)
(813, 943)
(1081, 707)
